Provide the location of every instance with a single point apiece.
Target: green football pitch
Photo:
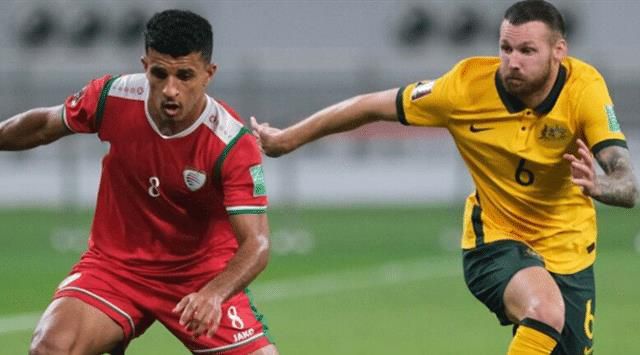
(375, 280)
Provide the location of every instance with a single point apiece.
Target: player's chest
(173, 168)
(538, 138)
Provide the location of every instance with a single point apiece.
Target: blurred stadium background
(365, 225)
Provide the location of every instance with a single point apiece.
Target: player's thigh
(578, 291)
(533, 293)
(489, 268)
(71, 326)
(242, 328)
(267, 350)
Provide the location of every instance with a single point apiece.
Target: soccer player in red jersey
(180, 228)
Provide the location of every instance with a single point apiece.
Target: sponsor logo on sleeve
(257, 175)
(422, 89)
(614, 126)
(75, 100)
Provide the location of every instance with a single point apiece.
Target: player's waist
(161, 267)
(531, 218)
(566, 248)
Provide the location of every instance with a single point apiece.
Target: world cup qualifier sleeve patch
(257, 175)
(614, 126)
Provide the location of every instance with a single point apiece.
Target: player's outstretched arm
(618, 187)
(201, 311)
(32, 128)
(343, 116)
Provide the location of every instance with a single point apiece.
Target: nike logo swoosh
(475, 129)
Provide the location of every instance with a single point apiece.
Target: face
(177, 87)
(530, 53)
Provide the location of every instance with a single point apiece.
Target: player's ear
(145, 63)
(211, 71)
(560, 49)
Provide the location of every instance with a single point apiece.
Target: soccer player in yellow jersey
(529, 125)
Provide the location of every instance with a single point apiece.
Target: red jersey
(164, 202)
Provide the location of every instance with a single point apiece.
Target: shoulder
(581, 74)
(130, 86)
(473, 73)
(476, 66)
(224, 122)
(470, 80)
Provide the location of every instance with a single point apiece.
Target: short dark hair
(536, 10)
(179, 33)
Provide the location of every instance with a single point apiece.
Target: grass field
(384, 280)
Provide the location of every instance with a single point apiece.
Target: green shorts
(489, 268)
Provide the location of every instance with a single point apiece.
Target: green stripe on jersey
(256, 210)
(225, 152)
(259, 316)
(103, 100)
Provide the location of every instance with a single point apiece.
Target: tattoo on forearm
(618, 187)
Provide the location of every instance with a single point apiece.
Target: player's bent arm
(33, 128)
(201, 311)
(252, 232)
(619, 186)
(340, 117)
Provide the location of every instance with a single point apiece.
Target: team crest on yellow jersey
(553, 132)
(423, 88)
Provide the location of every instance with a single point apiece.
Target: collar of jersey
(513, 104)
(205, 113)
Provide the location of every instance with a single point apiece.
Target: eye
(506, 49)
(185, 75)
(159, 73)
(528, 50)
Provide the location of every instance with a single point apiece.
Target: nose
(170, 89)
(513, 61)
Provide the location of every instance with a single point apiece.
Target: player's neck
(171, 126)
(535, 99)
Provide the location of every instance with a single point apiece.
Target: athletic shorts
(489, 268)
(135, 303)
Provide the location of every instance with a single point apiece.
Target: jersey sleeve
(427, 102)
(598, 119)
(82, 110)
(243, 178)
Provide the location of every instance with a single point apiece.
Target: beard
(518, 85)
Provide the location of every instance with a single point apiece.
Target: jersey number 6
(524, 176)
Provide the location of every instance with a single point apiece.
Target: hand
(200, 312)
(583, 171)
(269, 138)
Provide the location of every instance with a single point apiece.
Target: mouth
(513, 78)
(171, 109)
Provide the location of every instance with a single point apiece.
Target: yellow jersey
(514, 154)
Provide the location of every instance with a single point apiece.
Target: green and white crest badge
(614, 126)
(194, 179)
(257, 175)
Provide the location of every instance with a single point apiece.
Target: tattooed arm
(618, 187)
